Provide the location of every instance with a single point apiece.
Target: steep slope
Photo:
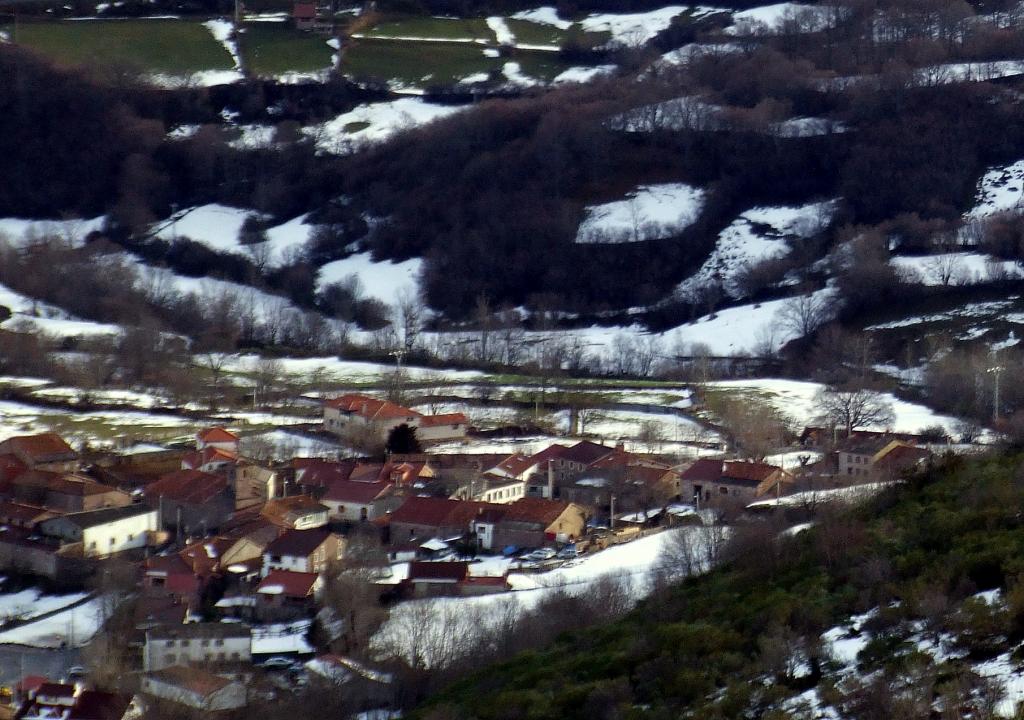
(877, 612)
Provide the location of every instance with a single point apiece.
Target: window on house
(723, 490)
(234, 656)
(170, 659)
(92, 545)
(185, 643)
(130, 537)
(218, 643)
(849, 471)
(205, 643)
(158, 581)
(169, 643)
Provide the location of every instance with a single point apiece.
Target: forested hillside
(909, 606)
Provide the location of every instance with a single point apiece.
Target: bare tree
(804, 314)
(409, 314)
(854, 408)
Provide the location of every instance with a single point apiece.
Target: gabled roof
(11, 466)
(45, 447)
(900, 456)
(533, 510)
(191, 631)
(209, 455)
(585, 452)
(703, 470)
(204, 556)
(321, 473)
(167, 565)
(284, 511)
(370, 408)
(191, 487)
(94, 518)
(359, 493)
(191, 679)
(447, 419)
(436, 512)
(216, 435)
(289, 583)
(748, 472)
(298, 543)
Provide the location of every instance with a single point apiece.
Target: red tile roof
(533, 510)
(192, 679)
(448, 419)
(11, 466)
(292, 584)
(370, 408)
(703, 470)
(321, 473)
(585, 452)
(217, 435)
(192, 487)
(285, 511)
(437, 512)
(360, 493)
(751, 472)
(298, 543)
(45, 447)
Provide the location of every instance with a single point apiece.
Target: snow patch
(648, 213)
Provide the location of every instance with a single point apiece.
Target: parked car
(541, 554)
(278, 663)
(569, 552)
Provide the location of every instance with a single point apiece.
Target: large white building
(196, 643)
(106, 531)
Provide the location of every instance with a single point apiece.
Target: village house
(529, 523)
(359, 501)
(104, 532)
(210, 459)
(191, 501)
(433, 579)
(65, 492)
(713, 482)
(196, 643)
(286, 595)
(46, 451)
(23, 550)
(21, 515)
(422, 518)
(195, 688)
(299, 512)
(217, 437)
(876, 458)
(170, 577)
(498, 490)
(306, 551)
(252, 484)
(355, 414)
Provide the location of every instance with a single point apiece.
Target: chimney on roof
(620, 446)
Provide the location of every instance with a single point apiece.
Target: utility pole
(995, 370)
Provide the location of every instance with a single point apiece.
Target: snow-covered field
(27, 604)
(1001, 189)
(635, 564)
(648, 213)
(19, 231)
(634, 29)
(376, 122)
(958, 268)
(215, 226)
(385, 280)
(73, 627)
(771, 18)
(48, 319)
(796, 400)
(755, 236)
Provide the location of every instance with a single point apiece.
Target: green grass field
(431, 27)
(276, 48)
(417, 64)
(174, 47)
(539, 64)
(532, 33)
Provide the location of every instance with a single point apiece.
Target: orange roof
(448, 419)
(216, 435)
(45, 447)
(370, 408)
(284, 511)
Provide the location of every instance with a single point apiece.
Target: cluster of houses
(225, 545)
